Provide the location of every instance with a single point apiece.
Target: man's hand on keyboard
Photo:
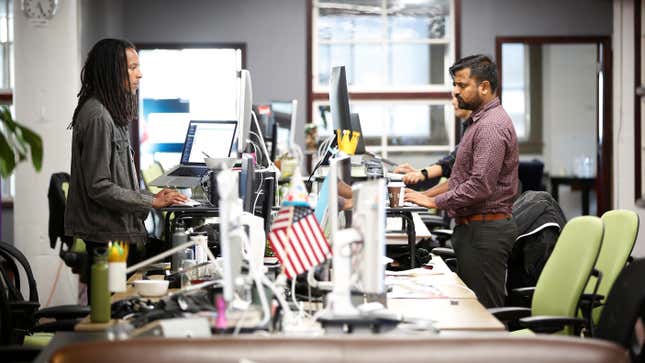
(167, 197)
(404, 169)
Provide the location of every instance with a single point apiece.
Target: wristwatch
(424, 171)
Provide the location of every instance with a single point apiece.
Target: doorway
(557, 91)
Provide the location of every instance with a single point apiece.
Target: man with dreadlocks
(104, 202)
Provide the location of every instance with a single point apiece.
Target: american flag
(297, 240)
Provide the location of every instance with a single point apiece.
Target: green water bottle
(100, 295)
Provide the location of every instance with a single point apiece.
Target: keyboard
(189, 171)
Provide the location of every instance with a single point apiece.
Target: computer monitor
(247, 185)
(355, 121)
(339, 99)
(264, 115)
(369, 219)
(208, 138)
(230, 232)
(244, 103)
(285, 117)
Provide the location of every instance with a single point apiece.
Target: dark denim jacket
(104, 201)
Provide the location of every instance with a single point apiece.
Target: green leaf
(17, 143)
(7, 158)
(35, 143)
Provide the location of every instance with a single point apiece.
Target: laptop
(203, 138)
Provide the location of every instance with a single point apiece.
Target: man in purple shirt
(483, 183)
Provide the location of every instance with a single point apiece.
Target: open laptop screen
(212, 138)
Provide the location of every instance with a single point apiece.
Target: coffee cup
(395, 193)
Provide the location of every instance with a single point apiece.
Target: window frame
(134, 128)
(430, 93)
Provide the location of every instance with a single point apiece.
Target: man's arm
(447, 162)
(437, 189)
(96, 156)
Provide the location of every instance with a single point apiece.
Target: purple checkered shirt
(484, 177)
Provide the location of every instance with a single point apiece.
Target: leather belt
(484, 217)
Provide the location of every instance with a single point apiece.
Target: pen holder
(116, 276)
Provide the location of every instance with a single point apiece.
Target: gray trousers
(483, 250)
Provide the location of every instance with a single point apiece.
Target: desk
(586, 184)
(448, 314)
(405, 213)
(457, 309)
(202, 210)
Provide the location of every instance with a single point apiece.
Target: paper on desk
(408, 289)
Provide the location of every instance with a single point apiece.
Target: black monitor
(339, 99)
(284, 118)
(265, 119)
(339, 106)
(356, 126)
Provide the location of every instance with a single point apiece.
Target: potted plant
(17, 143)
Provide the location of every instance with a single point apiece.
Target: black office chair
(19, 316)
(625, 304)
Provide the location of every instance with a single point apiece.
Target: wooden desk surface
(444, 298)
(448, 314)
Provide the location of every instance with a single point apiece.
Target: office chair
(556, 297)
(155, 218)
(625, 304)
(18, 316)
(621, 230)
(151, 173)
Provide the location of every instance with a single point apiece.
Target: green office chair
(150, 173)
(621, 229)
(556, 296)
(156, 218)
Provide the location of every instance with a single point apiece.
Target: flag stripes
(297, 240)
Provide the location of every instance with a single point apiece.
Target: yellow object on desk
(118, 251)
(348, 141)
(117, 257)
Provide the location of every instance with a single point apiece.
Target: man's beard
(472, 106)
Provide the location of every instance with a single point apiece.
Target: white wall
(47, 66)
(569, 109)
(623, 113)
(274, 32)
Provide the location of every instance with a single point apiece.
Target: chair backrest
(409, 349)
(151, 173)
(621, 229)
(625, 304)
(567, 270)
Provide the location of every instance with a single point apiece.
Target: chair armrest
(551, 324)
(442, 232)
(56, 325)
(443, 252)
(522, 296)
(63, 312)
(510, 313)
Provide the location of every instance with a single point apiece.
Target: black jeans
(483, 250)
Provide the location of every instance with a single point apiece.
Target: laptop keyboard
(189, 172)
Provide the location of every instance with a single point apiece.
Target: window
(179, 85)
(396, 54)
(6, 76)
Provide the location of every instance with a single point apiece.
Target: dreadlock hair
(105, 77)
